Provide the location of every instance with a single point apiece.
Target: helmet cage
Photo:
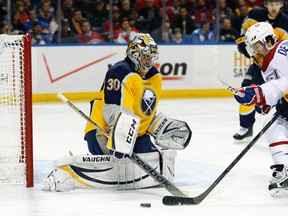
(143, 52)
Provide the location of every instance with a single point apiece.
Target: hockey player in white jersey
(261, 40)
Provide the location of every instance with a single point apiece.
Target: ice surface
(58, 129)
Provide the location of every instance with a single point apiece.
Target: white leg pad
(169, 163)
(103, 171)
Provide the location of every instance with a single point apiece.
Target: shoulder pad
(281, 21)
(259, 14)
(120, 70)
(151, 73)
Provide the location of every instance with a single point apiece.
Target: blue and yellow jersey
(123, 90)
(280, 24)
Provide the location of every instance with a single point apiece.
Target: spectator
(32, 17)
(53, 27)
(256, 3)
(76, 21)
(285, 7)
(67, 36)
(98, 15)
(84, 5)
(189, 4)
(232, 4)
(116, 20)
(140, 4)
(149, 11)
(21, 10)
(242, 3)
(173, 11)
(177, 35)
(159, 3)
(3, 10)
(243, 10)
(18, 26)
(37, 36)
(163, 34)
(88, 36)
(201, 12)
(210, 4)
(227, 32)
(125, 33)
(45, 16)
(28, 4)
(125, 8)
(3, 28)
(39, 4)
(138, 22)
(67, 9)
(183, 21)
(224, 11)
(156, 22)
(203, 34)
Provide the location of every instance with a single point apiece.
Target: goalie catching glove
(170, 133)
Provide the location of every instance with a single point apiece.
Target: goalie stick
(174, 200)
(165, 183)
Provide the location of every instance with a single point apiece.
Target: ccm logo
(131, 132)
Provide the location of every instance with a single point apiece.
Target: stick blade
(173, 201)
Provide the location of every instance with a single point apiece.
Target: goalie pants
(143, 144)
(247, 113)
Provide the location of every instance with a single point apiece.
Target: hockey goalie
(125, 110)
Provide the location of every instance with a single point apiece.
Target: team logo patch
(148, 102)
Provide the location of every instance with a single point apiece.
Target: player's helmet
(143, 52)
(259, 32)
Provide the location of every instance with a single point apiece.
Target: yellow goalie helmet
(143, 52)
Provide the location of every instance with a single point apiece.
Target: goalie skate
(279, 183)
(49, 182)
(244, 135)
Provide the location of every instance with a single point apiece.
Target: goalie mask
(143, 52)
(260, 31)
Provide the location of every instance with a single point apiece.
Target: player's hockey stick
(174, 200)
(230, 88)
(165, 183)
(215, 63)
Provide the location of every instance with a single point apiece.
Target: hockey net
(16, 155)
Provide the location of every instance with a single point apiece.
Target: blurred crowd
(89, 21)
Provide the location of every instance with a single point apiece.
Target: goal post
(16, 135)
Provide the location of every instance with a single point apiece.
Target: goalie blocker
(123, 134)
(104, 171)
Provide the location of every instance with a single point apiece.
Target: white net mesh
(12, 110)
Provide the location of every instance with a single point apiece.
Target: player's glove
(263, 110)
(242, 46)
(253, 95)
(282, 106)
